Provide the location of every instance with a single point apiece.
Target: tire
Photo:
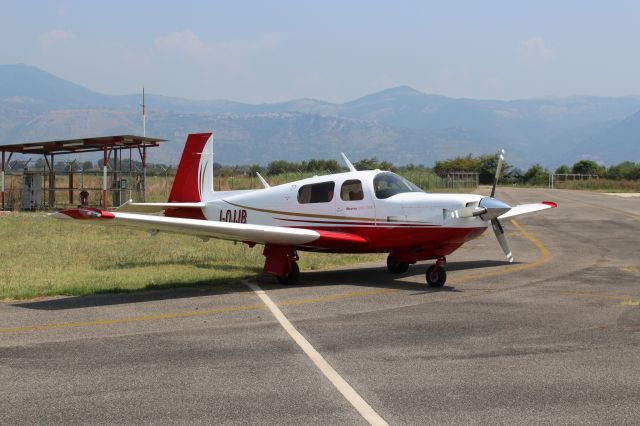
(396, 267)
(439, 279)
(292, 277)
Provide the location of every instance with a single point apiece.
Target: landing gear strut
(281, 263)
(436, 274)
(396, 267)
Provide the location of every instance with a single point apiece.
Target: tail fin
(194, 178)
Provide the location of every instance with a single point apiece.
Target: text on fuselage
(235, 216)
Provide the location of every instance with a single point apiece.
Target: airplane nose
(494, 208)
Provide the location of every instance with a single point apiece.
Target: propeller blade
(498, 170)
(497, 229)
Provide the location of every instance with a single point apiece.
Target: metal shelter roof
(69, 146)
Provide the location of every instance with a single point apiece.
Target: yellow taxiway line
(186, 314)
(625, 300)
(546, 256)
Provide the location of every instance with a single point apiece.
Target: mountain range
(401, 125)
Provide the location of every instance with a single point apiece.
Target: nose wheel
(436, 274)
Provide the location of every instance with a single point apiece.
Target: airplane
(366, 211)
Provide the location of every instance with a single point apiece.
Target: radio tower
(144, 115)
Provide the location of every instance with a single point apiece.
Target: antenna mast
(144, 115)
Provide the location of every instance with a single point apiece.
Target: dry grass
(607, 185)
(45, 257)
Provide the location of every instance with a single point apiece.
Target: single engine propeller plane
(368, 211)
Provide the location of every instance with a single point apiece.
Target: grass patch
(606, 185)
(47, 257)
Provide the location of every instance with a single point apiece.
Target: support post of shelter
(52, 184)
(71, 187)
(104, 178)
(2, 180)
(144, 173)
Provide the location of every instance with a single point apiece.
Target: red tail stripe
(185, 185)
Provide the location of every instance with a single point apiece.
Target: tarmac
(552, 339)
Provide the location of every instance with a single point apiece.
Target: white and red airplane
(368, 211)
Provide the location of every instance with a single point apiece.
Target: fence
(568, 177)
(463, 180)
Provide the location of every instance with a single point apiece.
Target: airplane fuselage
(414, 224)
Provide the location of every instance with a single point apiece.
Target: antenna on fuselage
(348, 163)
(264, 182)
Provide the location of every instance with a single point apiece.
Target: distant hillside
(29, 85)
(400, 124)
(617, 142)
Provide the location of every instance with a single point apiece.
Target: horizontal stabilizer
(156, 207)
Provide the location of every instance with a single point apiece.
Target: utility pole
(144, 115)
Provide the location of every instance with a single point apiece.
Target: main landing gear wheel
(292, 277)
(396, 267)
(436, 276)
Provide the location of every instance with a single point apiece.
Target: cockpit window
(316, 193)
(351, 190)
(387, 184)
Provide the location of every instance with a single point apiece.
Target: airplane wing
(260, 234)
(528, 208)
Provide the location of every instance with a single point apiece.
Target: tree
(280, 166)
(563, 170)
(255, 168)
(484, 165)
(387, 165)
(488, 166)
(625, 170)
(367, 164)
(536, 175)
(588, 167)
(458, 164)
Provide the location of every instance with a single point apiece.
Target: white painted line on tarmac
(623, 194)
(345, 389)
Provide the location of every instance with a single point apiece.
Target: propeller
(489, 209)
(497, 208)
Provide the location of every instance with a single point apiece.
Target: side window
(316, 193)
(351, 190)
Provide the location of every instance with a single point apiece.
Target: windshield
(387, 184)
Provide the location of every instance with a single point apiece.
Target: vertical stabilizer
(194, 177)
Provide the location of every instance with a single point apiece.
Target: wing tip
(82, 214)
(551, 204)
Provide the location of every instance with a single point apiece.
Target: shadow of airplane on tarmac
(365, 276)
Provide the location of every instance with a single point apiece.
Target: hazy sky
(264, 51)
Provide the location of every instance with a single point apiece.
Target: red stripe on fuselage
(340, 239)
